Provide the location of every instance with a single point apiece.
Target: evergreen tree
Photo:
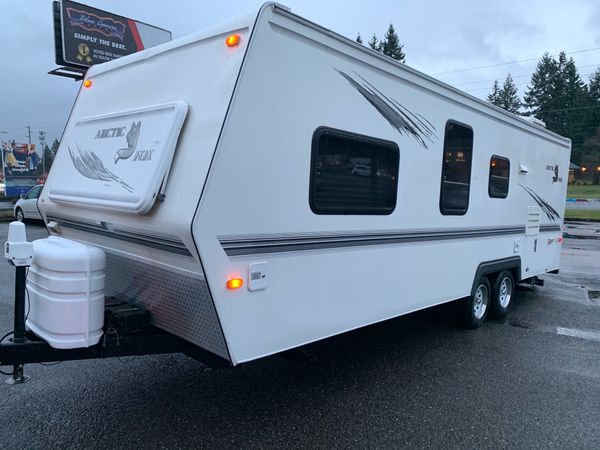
(48, 157)
(506, 97)
(594, 87)
(594, 99)
(539, 96)
(509, 96)
(590, 156)
(359, 39)
(391, 45)
(573, 95)
(591, 148)
(54, 147)
(374, 43)
(494, 96)
(558, 96)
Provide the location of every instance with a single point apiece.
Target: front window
(352, 174)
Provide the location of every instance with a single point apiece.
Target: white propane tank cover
(66, 292)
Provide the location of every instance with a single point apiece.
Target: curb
(6, 215)
(573, 236)
(581, 220)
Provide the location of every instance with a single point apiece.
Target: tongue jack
(19, 253)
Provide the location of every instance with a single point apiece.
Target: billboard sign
(87, 36)
(22, 168)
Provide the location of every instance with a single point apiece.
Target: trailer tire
(502, 294)
(475, 307)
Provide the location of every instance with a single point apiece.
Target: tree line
(390, 44)
(50, 154)
(557, 95)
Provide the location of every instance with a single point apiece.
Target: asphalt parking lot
(531, 381)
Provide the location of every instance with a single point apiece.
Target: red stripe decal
(136, 35)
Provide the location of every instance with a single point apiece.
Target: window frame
(453, 211)
(391, 145)
(490, 177)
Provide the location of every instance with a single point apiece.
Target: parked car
(26, 206)
(362, 170)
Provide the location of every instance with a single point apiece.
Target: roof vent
(535, 121)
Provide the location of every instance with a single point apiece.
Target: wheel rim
(19, 215)
(480, 302)
(505, 292)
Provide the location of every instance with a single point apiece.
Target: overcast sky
(440, 38)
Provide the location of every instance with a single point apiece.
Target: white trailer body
(341, 187)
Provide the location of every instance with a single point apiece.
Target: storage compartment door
(117, 161)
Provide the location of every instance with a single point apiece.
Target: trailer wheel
(502, 294)
(475, 307)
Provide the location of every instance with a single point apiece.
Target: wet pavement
(582, 230)
(419, 381)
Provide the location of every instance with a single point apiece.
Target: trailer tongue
(67, 317)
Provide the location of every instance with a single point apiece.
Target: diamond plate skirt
(179, 304)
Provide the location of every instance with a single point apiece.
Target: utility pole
(42, 139)
(29, 146)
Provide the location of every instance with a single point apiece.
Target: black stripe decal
(277, 244)
(167, 245)
(399, 117)
(550, 212)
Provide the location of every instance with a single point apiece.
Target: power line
(510, 62)
(34, 128)
(576, 129)
(574, 108)
(517, 84)
(524, 75)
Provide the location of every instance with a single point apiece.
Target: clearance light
(87, 83)
(235, 283)
(232, 40)
(560, 239)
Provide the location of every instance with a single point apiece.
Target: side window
(34, 193)
(352, 174)
(456, 169)
(499, 177)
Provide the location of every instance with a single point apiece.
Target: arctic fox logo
(554, 168)
(132, 137)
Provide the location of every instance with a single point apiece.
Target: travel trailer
(269, 183)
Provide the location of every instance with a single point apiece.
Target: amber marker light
(87, 83)
(232, 40)
(235, 283)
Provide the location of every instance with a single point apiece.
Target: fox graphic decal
(132, 137)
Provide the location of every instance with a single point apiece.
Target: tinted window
(34, 193)
(456, 169)
(352, 174)
(499, 177)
